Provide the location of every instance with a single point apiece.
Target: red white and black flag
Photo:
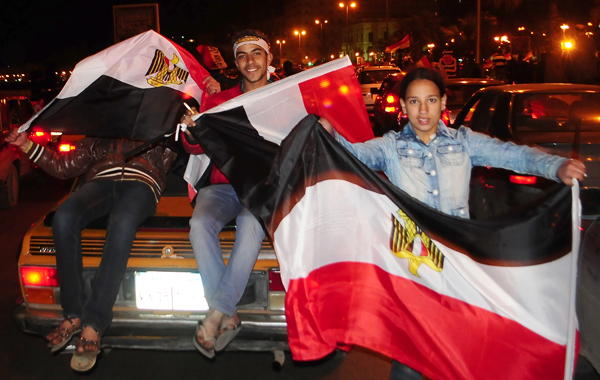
(365, 264)
(269, 114)
(134, 89)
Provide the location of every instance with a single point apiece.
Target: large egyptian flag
(365, 264)
(134, 89)
(266, 116)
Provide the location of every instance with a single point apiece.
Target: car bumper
(260, 332)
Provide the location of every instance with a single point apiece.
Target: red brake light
(446, 117)
(66, 147)
(523, 180)
(41, 137)
(275, 283)
(391, 99)
(39, 276)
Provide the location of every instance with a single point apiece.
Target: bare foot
(91, 342)
(211, 324)
(55, 338)
(228, 323)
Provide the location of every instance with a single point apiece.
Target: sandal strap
(59, 330)
(83, 341)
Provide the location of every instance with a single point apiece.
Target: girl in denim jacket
(432, 162)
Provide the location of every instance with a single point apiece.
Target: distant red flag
(423, 62)
(402, 44)
(211, 57)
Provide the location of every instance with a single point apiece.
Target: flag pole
(134, 152)
(572, 318)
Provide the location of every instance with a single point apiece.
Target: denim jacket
(438, 173)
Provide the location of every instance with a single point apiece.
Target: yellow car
(161, 296)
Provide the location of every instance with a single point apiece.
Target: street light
(347, 5)
(280, 43)
(300, 34)
(318, 22)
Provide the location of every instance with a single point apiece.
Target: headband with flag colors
(134, 89)
(250, 40)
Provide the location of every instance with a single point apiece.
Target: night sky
(65, 31)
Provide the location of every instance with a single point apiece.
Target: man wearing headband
(217, 204)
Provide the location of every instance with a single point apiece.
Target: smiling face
(423, 105)
(252, 62)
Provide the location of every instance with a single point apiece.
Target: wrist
(27, 146)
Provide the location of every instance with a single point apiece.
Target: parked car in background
(459, 90)
(371, 77)
(14, 111)
(386, 106)
(161, 296)
(562, 119)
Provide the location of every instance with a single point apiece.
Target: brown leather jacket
(101, 158)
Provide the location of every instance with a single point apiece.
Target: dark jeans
(127, 204)
(403, 372)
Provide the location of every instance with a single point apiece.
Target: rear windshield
(557, 112)
(458, 94)
(375, 76)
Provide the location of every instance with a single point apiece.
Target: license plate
(169, 291)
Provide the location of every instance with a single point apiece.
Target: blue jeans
(127, 204)
(223, 284)
(403, 372)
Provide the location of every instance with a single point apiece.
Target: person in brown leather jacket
(125, 190)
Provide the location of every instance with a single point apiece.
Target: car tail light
(391, 104)
(66, 147)
(275, 283)
(40, 137)
(40, 295)
(523, 179)
(39, 276)
(446, 117)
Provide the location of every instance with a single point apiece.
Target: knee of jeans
(249, 224)
(64, 218)
(125, 222)
(204, 226)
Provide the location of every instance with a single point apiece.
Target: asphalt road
(24, 356)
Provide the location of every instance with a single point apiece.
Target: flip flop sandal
(229, 331)
(85, 361)
(206, 352)
(65, 334)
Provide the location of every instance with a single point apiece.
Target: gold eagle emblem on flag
(166, 70)
(404, 245)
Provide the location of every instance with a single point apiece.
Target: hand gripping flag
(134, 89)
(365, 264)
